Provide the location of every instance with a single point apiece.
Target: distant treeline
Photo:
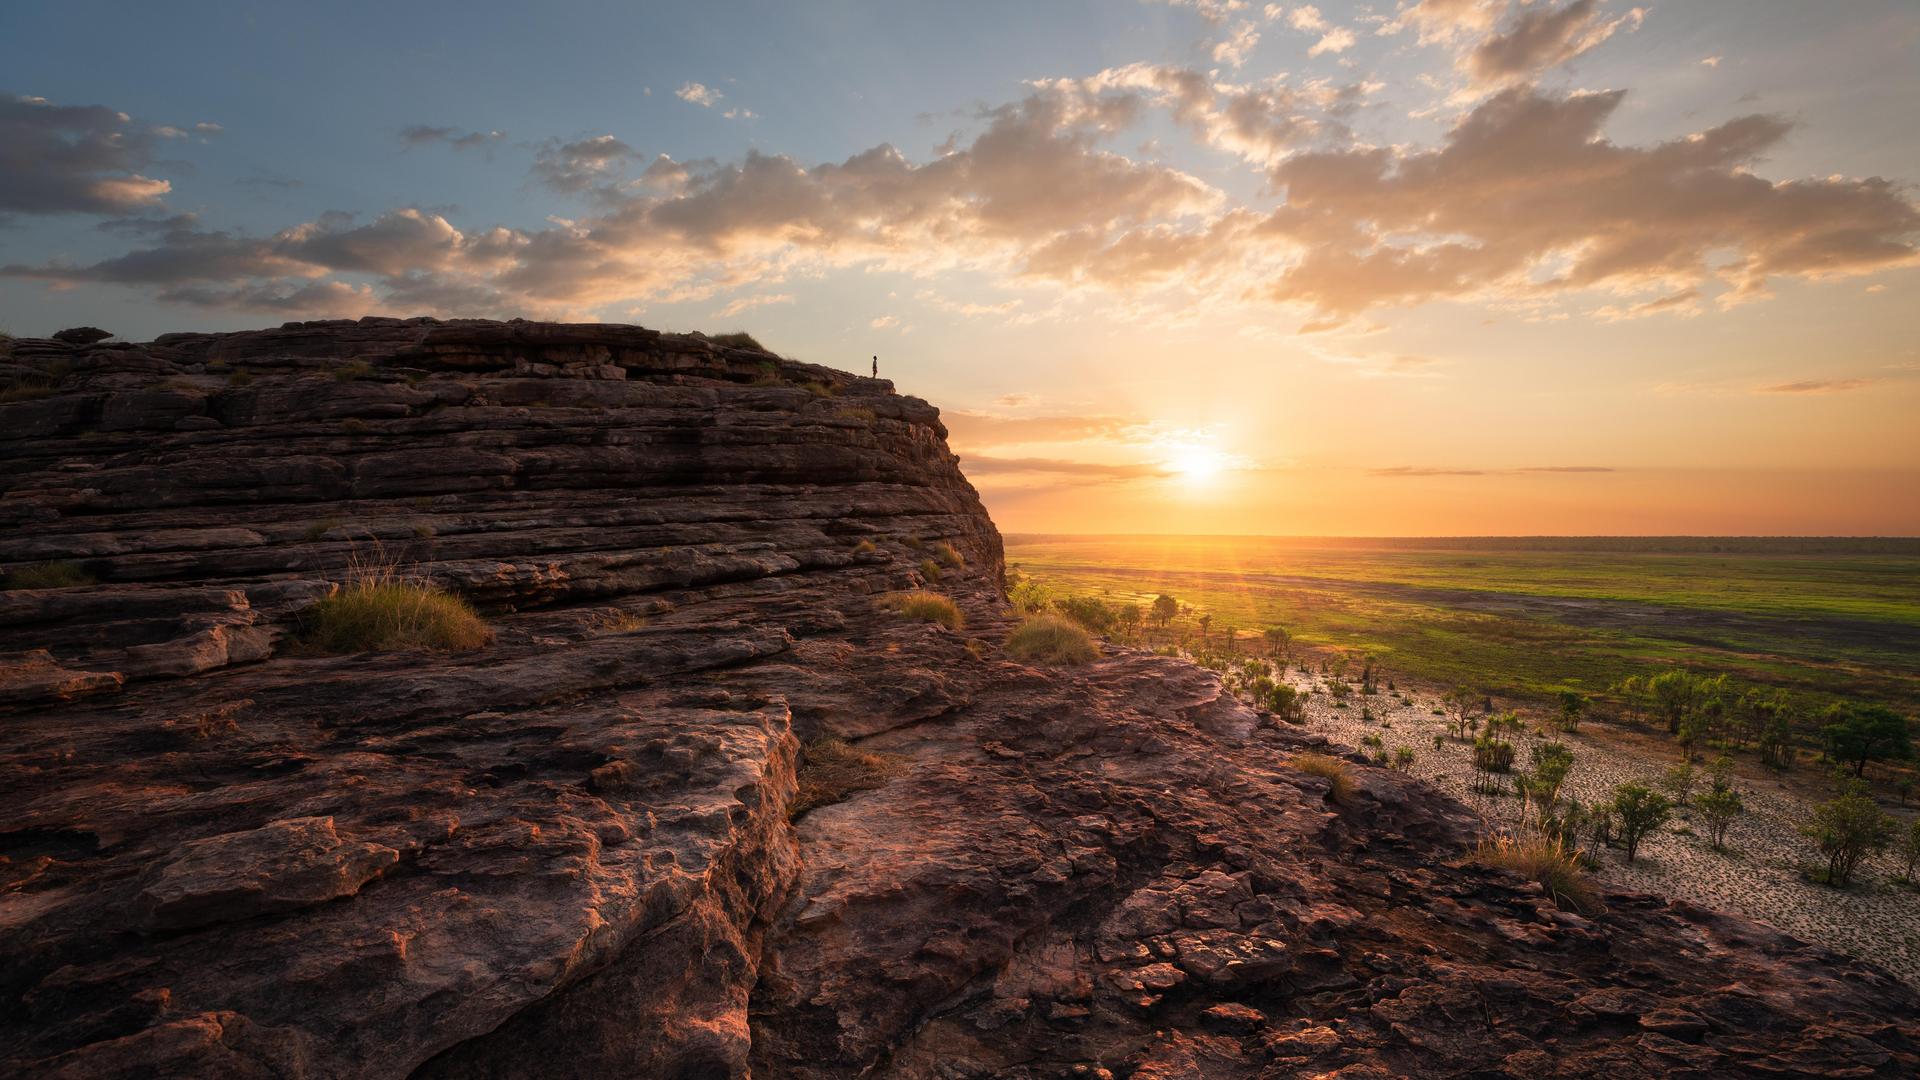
(1673, 545)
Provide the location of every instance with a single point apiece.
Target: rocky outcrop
(570, 853)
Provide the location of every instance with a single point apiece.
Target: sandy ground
(1759, 873)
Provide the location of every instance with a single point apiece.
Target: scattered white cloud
(698, 94)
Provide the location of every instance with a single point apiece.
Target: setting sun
(1196, 464)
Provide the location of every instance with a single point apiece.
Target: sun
(1196, 464)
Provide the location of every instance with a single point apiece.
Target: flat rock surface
(571, 853)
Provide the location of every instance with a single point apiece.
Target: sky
(1445, 267)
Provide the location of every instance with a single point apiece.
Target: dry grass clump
(1051, 639)
(927, 607)
(830, 770)
(929, 569)
(382, 610)
(1553, 864)
(949, 555)
(865, 547)
(739, 339)
(1338, 776)
(48, 575)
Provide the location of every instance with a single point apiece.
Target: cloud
(61, 159)
(977, 429)
(1542, 38)
(1015, 401)
(698, 93)
(748, 303)
(1526, 198)
(1054, 467)
(1306, 17)
(884, 322)
(1522, 200)
(1339, 39)
(1420, 471)
(423, 135)
(1211, 10)
(1446, 20)
(1710, 61)
(578, 166)
(1237, 46)
(1815, 386)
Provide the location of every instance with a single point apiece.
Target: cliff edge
(576, 851)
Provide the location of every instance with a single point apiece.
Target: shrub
(351, 370)
(1403, 759)
(1910, 849)
(865, 547)
(1492, 755)
(739, 339)
(948, 555)
(49, 575)
(1051, 639)
(1639, 811)
(927, 606)
(1718, 808)
(830, 770)
(28, 389)
(1551, 863)
(1087, 611)
(1678, 783)
(381, 610)
(1847, 829)
(1339, 778)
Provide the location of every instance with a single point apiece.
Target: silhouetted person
(876, 367)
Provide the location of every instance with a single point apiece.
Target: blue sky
(1180, 230)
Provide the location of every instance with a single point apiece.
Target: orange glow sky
(1171, 266)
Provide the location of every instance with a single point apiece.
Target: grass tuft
(949, 555)
(1554, 865)
(927, 606)
(49, 575)
(830, 770)
(1335, 771)
(1051, 639)
(382, 610)
(739, 339)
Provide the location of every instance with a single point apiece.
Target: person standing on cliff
(876, 367)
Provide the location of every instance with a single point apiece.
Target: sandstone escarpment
(569, 853)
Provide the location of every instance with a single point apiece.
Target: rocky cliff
(573, 853)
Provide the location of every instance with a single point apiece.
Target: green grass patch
(1555, 866)
(739, 339)
(927, 606)
(48, 575)
(1336, 772)
(384, 611)
(1051, 639)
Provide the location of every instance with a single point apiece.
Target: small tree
(1776, 742)
(1678, 783)
(1910, 849)
(1639, 811)
(1541, 784)
(1859, 733)
(1717, 809)
(1206, 623)
(1847, 829)
(1279, 644)
(1572, 704)
(1461, 703)
(1164, 609)
(1128, 616)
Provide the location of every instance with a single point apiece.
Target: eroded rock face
(569, 853)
